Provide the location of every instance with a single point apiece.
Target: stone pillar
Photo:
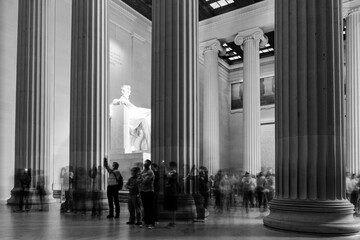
(353, 91)
(250, 41)
(310, 170)
(88, 103)
(211, 157)
(33, 101)
(174, 102)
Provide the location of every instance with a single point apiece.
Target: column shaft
(310, 171)
(88, 103)
(33, 97)
(211, 155)
(353, 91)
(174, 105)
(250, 41)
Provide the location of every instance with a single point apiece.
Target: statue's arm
(123, 101)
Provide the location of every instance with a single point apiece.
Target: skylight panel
(214, 5)
(222, 3)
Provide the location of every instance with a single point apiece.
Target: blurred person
(155, 169)
(146, 180)
(225, 191)
(217, 191)
(40, 188)
(80, 183)
(259, 190)
(269, 189)
(171, 191)
(348, 186)
(25, 183)
(112, 188)
(233, 183)
(204, 185)
(248, 185)
(95, 197)
(134, 206)
(354, 189)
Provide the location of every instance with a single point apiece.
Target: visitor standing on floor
(155, 169)
(171, 191)
(147, 178)
(204, 187)
(134, 206)
(113, 189)
(25, 181)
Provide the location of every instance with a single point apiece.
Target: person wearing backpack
(115, 181)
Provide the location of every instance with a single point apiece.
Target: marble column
(174, 101)
(353, 91)
(211, 138)
(310, 169)
(33, 101)
(251, 40)
(88, 102)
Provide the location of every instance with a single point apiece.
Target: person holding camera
(112, 188)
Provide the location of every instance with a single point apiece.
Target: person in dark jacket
(134, 197)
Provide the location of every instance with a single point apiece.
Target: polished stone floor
(51, 224)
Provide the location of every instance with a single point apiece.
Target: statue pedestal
(127, 161)
(121, 150)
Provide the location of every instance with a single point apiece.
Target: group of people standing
(143, 186)
(256, 191)
(30, 194)
(352, 190)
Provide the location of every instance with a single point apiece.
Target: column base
(190, 207)
(84, 201)
(34, 201)
(332, 217)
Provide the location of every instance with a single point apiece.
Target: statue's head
(125, 91)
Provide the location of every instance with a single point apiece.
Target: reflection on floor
(51, 224)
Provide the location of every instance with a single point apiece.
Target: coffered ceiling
(209, 9)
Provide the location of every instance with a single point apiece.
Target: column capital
(350, 6)
(354, 10)
(212, 45)
(254, 33)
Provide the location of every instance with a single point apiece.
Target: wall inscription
(115, 59)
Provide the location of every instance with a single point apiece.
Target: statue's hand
(116, 102)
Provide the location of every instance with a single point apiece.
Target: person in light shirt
(112, 188)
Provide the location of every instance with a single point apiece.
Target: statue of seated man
(139, 121)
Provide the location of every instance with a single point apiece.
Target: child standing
(134, 197)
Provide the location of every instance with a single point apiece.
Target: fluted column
(174, 105)
(211, 144)
(310, 170)
(33, 99)
(353, 91)
(88, 103)
(250, 41)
